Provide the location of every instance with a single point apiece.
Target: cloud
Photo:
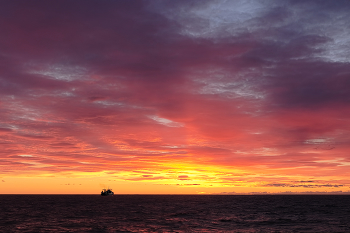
(5, 130)
(147, 178)
(258, 86)
(183, 177)
(166, 122)
(187, 184)
(304, 185)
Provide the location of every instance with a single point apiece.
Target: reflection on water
(174, 213)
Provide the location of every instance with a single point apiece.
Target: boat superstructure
(107, 192)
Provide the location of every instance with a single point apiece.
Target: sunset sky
(174, 97)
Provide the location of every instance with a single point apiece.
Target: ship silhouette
(107, 192)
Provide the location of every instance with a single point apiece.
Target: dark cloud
(303, 185)
(5, 130)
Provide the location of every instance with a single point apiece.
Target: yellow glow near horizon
(178, 178)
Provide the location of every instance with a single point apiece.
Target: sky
(174, 97)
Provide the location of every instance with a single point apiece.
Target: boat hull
(107, 194)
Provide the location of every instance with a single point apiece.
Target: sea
(175, 213)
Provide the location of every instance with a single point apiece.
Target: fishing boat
(107, 192)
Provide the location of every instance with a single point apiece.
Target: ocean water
(174, 213)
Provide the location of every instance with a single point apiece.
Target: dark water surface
(174, 213)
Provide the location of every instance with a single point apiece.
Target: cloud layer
(212, 92)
